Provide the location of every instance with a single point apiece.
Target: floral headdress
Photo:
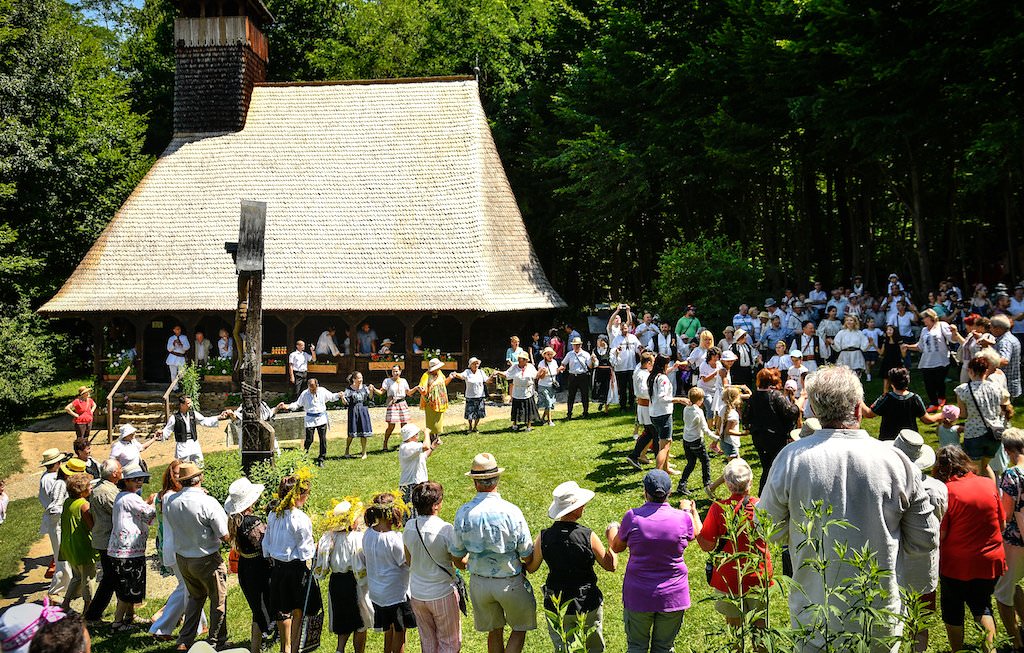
(395, 511)
(303, 481)
(344, 521)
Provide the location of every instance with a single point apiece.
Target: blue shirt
(494, 534)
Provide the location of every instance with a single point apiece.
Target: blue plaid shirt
(494, 534)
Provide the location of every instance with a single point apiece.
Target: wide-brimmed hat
(951, 412)
(769, 302)
(19, 623)
(83, 389)
(568, 497)
(796, 353)
(791, 384)
(241, 494)
(125, 430)
(811, 425)
(521, 355)
(434, 365)
(547, 350)
(911, 443)
(51, 457)
(485, 466)
(729, 355)
(987, 339)
(576, 341)
(134, 471)
(188, 470)
(473, 359)
(73, 466)
(798, 304)
(409, 431)
(739, 333)
(387, 341)
(205, 647)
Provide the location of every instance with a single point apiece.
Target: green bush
(710, 272)
(219, 472)
(270, 473)
(27, 349)
(189, 383)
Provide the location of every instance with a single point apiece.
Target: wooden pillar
(409, 321)
(189, 324)
(140, 322)
(467, 320)
(98, 348)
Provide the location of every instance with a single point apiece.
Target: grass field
(587, 451)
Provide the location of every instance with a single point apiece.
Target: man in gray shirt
(101, 506)
(199, 525)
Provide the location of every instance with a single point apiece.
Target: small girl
(730, 429)
(781, 360)
(356, 396)
(695, 429)
(385, 347)
(874, 336)
(797, 369)
(340, 554)
(412, 459)
(949, 430)
(710, 381)
(383, 555)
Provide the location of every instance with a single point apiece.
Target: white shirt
(874, 337)
(314, 405)
(662, 343)
(225, 347)
(817, 296)
(176, 348)
(640, 376)
(577, 362)
(189, 449)
(412, 460)
(339, 552)
(325, 345)
(902, 323)
(846, 340)
(129, 452)
(198, 521)
(795, 373)
(934, 346)
(783, 362)
(50, 492)
(624, 359)
(695, 424)
(522, 380)
(4, 500)
(549, 378)
(428, 582)
(475, 382)
(661, 400)
(289, 536)
(299, 360)
(386, 570)
(644, 332)
(397, 390)
(709, 387)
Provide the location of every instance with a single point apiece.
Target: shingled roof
(380, 197)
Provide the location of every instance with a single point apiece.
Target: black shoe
(586, 414)
(683, 490)
(634, 462)
(569, 416)
(319, 462)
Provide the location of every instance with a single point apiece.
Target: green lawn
(590, 452)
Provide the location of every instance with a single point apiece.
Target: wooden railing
(167, 394)
(110, 404)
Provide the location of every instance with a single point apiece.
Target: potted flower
(273, 364)
(217, 370)
(117, 364)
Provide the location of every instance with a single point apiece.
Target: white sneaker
(550, 423)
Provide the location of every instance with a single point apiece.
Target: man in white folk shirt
(578, 364)
(177, 346)
(298, 364)
(52, 493)
(814, 349)
(666, 344)
(624, 358)
(327, 343)
(183, 424)
(646, 330)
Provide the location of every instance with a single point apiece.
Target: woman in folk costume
(339, 556)
(433, 389)
(851, 343)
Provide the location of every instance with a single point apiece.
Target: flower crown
(345, 521)
(303, 481)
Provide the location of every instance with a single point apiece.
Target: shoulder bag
(312, 624)
(457, 582)
(989, 431)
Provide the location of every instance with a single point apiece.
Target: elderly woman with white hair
(724, 536)
(476, 391)
(933, 343)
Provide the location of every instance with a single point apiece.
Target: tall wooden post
(257, 434)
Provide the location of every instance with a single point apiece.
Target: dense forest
(657, 148)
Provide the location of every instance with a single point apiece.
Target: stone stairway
(143, 409)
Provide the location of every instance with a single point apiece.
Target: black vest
(180, 435)
(656, 344)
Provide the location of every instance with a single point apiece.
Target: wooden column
(98, 349)
(409, 321)
(188, 325)
(141, 322)
(467, 320)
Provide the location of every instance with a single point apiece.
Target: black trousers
(627, 400)
(578, 383)
(934, 383)
(645, 438)
(695, 452)
(101, 597)
(768, 446)
(300, 382)
(322, 431)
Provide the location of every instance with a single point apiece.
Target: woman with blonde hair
(339, 555)
(289, 544)
(933, 343)
(851, 343)
(729, 427)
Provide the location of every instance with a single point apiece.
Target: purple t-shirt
(656, 576)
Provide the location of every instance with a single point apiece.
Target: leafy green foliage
(190, 383)
(710, 270)
(28, 350)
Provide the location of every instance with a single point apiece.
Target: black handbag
(457, 582)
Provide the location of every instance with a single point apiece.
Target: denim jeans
(652, 632)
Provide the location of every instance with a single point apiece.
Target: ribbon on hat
(50, 614)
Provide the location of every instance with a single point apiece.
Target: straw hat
(576, 341)
(125, 430)
(485, 466)
(188, 470)
(83, 389)
(473, 359)
(387, 341)
(547, 350)
(51, 457)
(811, 425)
(73, 466)
(739, 333)
(911, 443)
(241, 494)
(409, 431)
(521, 355)
(434, 365)
(568, 497)
(134, 471)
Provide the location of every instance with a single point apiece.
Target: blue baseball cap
(657, 484)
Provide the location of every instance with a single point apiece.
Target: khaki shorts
(500, 602)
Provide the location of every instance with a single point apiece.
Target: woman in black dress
(602, 373)
(571, 549)
(889, 354)
(771, 414)
(246, 531)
